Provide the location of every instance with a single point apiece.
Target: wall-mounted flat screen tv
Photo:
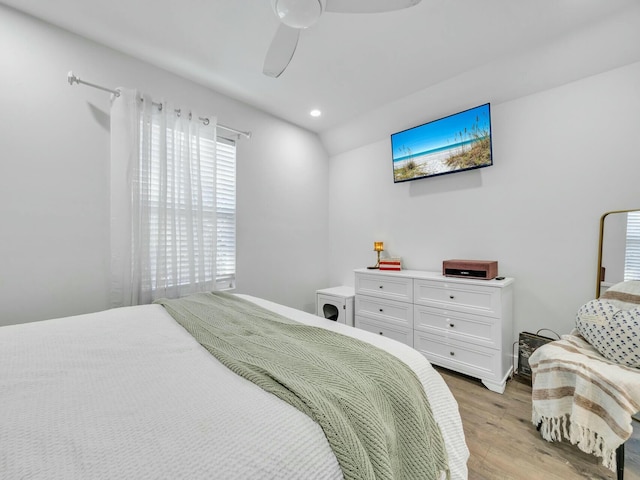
(451, 144)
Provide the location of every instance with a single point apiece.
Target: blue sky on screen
(439, 133)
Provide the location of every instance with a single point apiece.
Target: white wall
(562, 157)
(54, 185)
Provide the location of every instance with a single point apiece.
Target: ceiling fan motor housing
(298, 13)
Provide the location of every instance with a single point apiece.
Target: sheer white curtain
(163, 200)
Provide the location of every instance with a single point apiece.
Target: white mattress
(128, 393)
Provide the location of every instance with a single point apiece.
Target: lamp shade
(378, 246)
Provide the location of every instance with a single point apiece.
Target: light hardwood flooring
(504, 444)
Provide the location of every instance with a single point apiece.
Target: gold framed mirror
(612, 247)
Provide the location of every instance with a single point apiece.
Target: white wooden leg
(495, 386)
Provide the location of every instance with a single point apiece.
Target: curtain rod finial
(72, 78)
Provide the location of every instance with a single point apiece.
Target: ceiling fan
(296, 15)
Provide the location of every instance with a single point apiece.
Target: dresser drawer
(477, 329)
(474, 299)
(385, 286)
(387, 311)
(403, 335)
(462, 357)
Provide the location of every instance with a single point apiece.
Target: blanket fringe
(555, 429)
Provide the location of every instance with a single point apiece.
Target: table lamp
(377, 247)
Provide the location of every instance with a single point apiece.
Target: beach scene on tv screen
(458, 142)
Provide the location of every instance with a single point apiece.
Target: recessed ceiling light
(315, 113)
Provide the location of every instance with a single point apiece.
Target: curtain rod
(71, 78)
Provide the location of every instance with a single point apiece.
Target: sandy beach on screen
(434, 162)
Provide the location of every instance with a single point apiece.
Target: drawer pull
(452, 353)
(451, 297)
(381, 286)
(380, 333)
(381, 310)
(452, 325)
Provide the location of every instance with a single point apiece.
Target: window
(226, 214)
(173, 202)
(632, 250)
(188, 191)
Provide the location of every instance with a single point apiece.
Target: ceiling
(346, 64)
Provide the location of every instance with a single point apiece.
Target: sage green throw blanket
(370, 405)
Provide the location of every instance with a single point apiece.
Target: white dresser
(459, 323)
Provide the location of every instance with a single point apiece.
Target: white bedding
(99, 396)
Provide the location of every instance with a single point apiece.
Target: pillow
(613, 331)
(624, 295)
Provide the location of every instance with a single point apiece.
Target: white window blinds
(632, 250)
(192, 214)
(226, 214)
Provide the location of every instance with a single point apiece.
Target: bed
(129, 393)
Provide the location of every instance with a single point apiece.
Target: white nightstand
(336, 304)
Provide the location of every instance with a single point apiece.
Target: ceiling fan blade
(281, 51)
(367, 6)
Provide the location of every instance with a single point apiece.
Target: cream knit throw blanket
(370, 405)
(580, 396)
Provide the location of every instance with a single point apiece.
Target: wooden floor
(504, 444)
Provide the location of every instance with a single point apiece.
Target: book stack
(391, 264)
